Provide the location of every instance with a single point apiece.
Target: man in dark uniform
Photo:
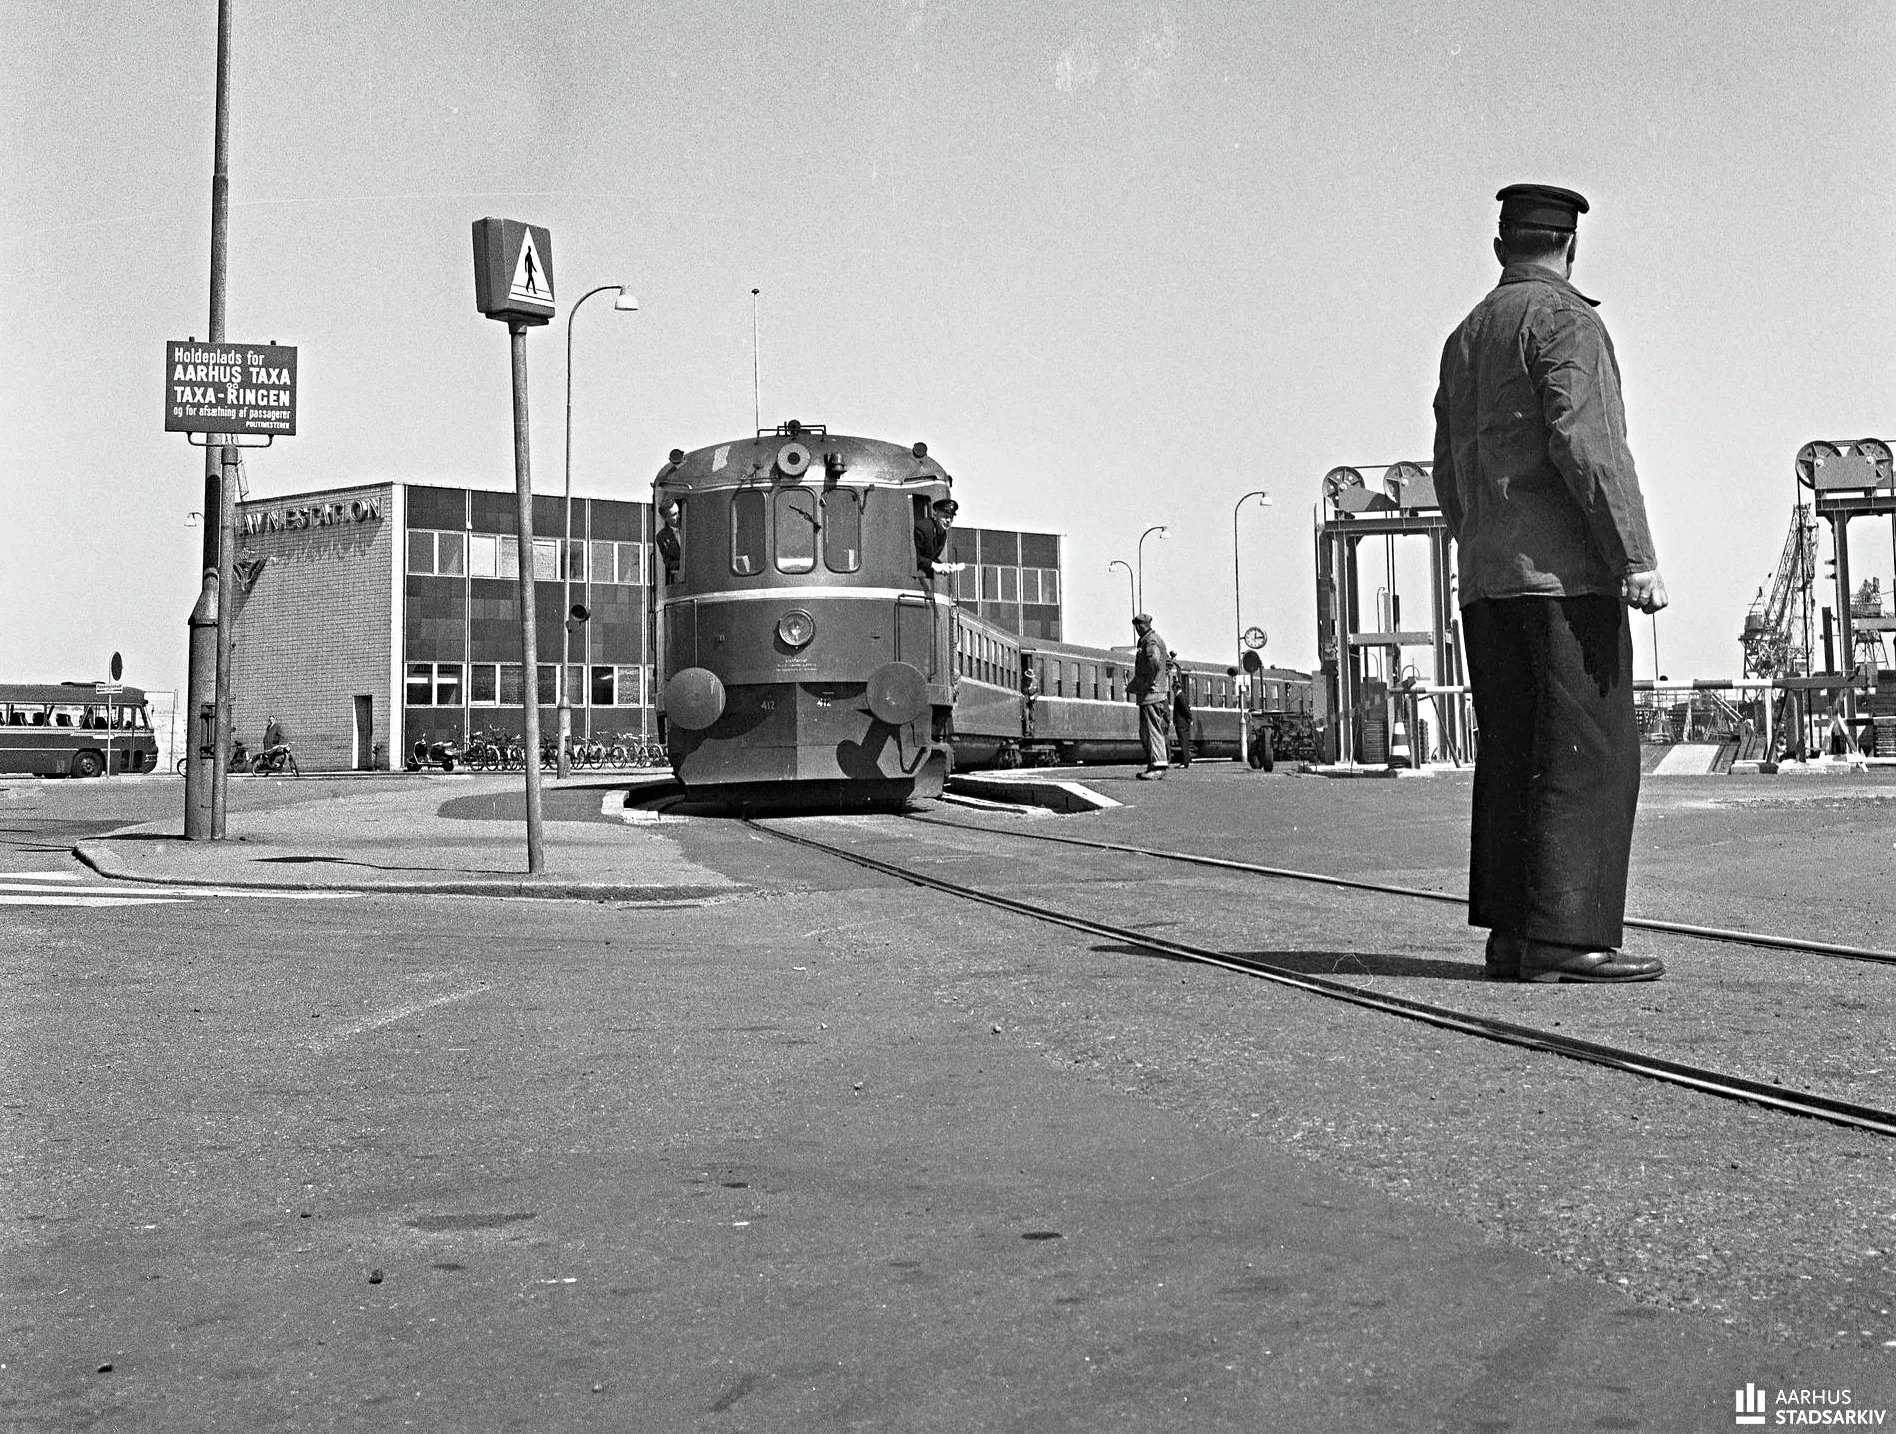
(1181, 710)
(1537, 484)
(670, 546)
(1151, 688)
(932, 522)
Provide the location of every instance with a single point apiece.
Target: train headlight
(796, 628)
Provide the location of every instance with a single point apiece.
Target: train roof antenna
(757, 402)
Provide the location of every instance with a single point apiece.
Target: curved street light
(1237, 614)
(1140, 597)
(563, 761)
(1131, 595)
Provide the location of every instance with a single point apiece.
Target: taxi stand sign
(513, 271)
(246, 390)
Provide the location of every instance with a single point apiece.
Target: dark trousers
(1182, 727)
(1557, 773)
(1152, 732)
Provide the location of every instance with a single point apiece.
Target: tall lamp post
(564, 759)
(1159, 528)
(1131, 595)
(1237, 616)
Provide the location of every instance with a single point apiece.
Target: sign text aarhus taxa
(314, 515)
(236, 389)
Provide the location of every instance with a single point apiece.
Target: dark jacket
(1181, 696)
(1531, 463)
(1151, 682)
(931, 538)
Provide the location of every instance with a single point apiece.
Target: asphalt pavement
(710, 1133)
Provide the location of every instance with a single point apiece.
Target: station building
(371, 617)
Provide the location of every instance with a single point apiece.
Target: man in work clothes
(1181, 709)
(1151, 688)
(1537, 484)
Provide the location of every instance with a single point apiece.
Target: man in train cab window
(1151, 688)
(667, 540)
(1537, 486)
(932, 523)
(1181, 709)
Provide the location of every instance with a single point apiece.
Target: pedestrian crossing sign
(513, 271)
(531, 282)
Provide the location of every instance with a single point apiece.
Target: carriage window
(842, 530)
(796, 530)
(747, 532)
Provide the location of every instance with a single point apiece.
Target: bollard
(200, 728)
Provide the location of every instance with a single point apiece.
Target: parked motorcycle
(444, 755)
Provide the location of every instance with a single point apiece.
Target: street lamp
(1237, 614)
(1131, 596)
(564, 761)
(1158, 528)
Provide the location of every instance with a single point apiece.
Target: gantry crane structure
(1776, 638)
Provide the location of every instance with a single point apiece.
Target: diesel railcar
(806, 645)
(814, 654)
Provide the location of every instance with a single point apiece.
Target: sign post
(228, 393)
(513, 282)
(109, 690)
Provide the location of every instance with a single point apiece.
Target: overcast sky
(1118, 263)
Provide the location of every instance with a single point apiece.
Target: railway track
(1722, 1084)
(1674, 928)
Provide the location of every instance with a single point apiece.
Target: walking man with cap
(1537, 484)
(1151, 688)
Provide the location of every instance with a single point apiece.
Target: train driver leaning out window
(668, 540)
(932, 523)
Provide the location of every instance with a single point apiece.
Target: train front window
(842, 530)
(747, 532)
(796, 530)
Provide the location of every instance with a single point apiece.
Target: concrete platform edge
(111, 865)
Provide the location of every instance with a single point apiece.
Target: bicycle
(483, 753)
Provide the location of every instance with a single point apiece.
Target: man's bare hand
(1645, 591)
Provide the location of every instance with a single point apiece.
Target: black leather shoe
(1545, 961)
(1503, 957)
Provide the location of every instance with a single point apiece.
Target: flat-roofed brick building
(370, 617)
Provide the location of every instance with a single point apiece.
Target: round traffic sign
(118, 667)
(1254, 638)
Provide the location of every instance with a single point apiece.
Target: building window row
(444, 553)
(499, 684)
(994, 582)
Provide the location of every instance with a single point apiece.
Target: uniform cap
(947, 505)
(1542, 206)
(1143, 619)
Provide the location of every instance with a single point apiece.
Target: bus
(73, 729)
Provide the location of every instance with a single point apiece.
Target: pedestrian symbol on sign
(530, 279)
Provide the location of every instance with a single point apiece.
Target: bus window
(842, 530)
(796, 530)
(747, 532)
